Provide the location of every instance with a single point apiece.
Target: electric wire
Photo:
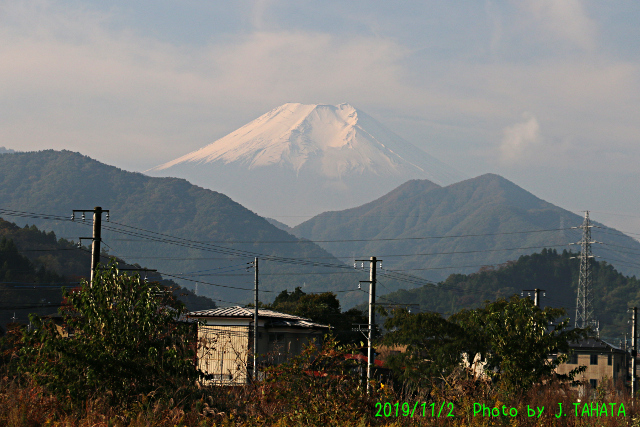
(306, 240)
(413, 280)
(190, 243)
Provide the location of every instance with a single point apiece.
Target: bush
(320, 387)
(118, 338)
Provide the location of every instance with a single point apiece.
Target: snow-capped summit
(332, 152)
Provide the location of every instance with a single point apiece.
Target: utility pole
(97, 225)
(255, 325)
(634, 349)
(372, 317)
(584, 304)
(536, 295)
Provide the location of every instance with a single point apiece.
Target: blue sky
(543, 92)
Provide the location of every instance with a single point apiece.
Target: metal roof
(275, 317)
(592, 343)
(238, 311)
(296, 324)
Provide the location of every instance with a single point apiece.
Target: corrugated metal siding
(223, 353)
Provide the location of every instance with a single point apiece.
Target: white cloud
(96, 78)
(66, 82)
(259, 13)
(72, 78)
(495, 21)
(520, 140)
(563, 19)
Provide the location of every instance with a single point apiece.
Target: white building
(225, 341)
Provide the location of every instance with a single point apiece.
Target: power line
(623, 247)
(305, 240)
(207, 283)
(302, 261)
(164, 238)
(49, 250)
(214, 248)
(475, 251)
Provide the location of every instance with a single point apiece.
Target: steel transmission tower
(584, 305)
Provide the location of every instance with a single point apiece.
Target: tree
(514, 336)
(433, 345)
(519, 338)
(322, 308)
(119, 337)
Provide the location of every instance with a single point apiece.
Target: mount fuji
(300, 160)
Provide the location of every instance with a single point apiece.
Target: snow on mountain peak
(299, 160)
(332, 140)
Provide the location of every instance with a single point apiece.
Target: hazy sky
(543, 92)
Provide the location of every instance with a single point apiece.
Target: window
(573, 359)
(594, 383)
(594, 359)
(609, 357)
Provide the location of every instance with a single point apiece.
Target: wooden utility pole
(536, 295)
(96, 239)
(95, 245)
(255, 325)
(371, 356)
(372, 318)
(634, 349)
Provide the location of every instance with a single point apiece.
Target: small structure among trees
(513, 338)
(225, 341)
(602, 362)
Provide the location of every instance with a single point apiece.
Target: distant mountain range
(431, 231)
(195, 236)
(422, 231)
(300, 160)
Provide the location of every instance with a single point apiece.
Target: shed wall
(222, 353)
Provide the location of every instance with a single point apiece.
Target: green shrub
(118, 338)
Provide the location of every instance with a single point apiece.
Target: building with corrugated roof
(603, 363)
(225, 341)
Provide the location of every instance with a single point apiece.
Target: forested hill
(556, 273)
(25, 288)
(434, 231)
(198, 235)
(35, 266)
(45, 250)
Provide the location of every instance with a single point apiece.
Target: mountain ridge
(556, 272)
(310, 158)
(56, 182)
(486, 220)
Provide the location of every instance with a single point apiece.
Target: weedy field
(291, 396)
(99, 368)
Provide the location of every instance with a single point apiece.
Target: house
(225, 341)
(603, 362)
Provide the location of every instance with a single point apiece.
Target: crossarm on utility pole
(96, 239)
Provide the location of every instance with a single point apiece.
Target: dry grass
(28, 405)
